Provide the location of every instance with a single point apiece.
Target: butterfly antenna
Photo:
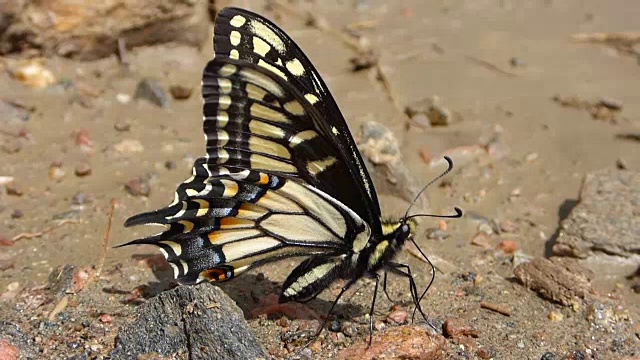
(458, 211)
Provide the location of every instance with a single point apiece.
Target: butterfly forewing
(244, 36)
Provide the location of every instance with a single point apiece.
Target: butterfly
(282, 176)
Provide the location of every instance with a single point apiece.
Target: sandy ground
(460, 51)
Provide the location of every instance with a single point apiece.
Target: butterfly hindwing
(250, 38)
(219, 226)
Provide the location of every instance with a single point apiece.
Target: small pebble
(621, 164)
(122, 126)
(83, 140)
(306, 353)
(138, 187)
(531, 157)
(170, 165)
(611, 104)
(335, 326)
(577, 355)
(151, 91)
(105, 319)
(509, 226)
(129, 146)
(33, 73)
(14, 189)
(364, 60)
(455, 328)
(508, 246)
(83, 169)
(123, 98)
(80, 199)
(12, 147)
(180, 92)
(56, 173)
(349, 329)
(516, 62)
(17, 214)
(548, 356)
(315, 346)
(437, 234)
(485, 353)
(283, 322)
(379, 325)
(556, 316)
(485, 228)
(397, 317)
(6, 180)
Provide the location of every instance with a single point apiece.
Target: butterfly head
(399, 231)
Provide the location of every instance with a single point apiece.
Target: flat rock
(607, 218)
(561, 280)
(383, 159)
(194, 322)
(91, 30)
(403, 342)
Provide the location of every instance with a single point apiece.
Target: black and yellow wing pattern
(282, 175)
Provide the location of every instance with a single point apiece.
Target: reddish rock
(105, 319)
(397, 317)
(404, 342)
(80, 278)
(455, 328)
(83, 140)
(508, 246)
(8, 351)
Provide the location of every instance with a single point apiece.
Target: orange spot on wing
(214, 275)
(234, 223)
(264, 179)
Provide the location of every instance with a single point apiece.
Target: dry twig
(615, 37)
(495, 307)
(45, 231)
(105, 240)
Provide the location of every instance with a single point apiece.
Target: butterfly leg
(326, 319)
(397, 269)
(384, 287)
(373, 305)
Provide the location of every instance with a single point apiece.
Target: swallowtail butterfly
(282, 176)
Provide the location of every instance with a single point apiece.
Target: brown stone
(91, 30)
(560, 279)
